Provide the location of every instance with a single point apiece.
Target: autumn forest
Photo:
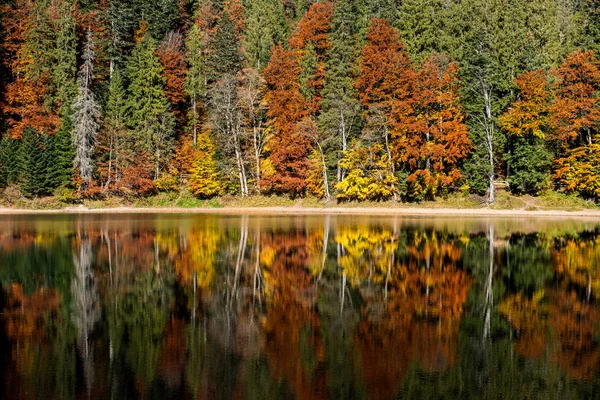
(347, 100)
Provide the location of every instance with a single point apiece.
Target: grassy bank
(11, 198)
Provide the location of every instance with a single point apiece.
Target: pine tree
(52, 178)
(197, 74)
(148, 109)
(9, 161)
(86, 115)
(225, 56)
(65, 54)
(267, 26)
(113, 140)
(340, 110)
(33, 169)
(65, 153)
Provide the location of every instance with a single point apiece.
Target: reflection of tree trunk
(256, 285)
(240, 256)
(489, 295)
(325, 243)
(85, 306)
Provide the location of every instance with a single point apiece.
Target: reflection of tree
(291, 331)
(85, 306)
(427, 293)
(579, 261)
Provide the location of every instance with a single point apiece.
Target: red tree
(575, 115)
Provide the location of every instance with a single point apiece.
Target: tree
(33, 169)
(114, 139)
(527, 125)
(9, 161)
(197, 73)
(286, 169)
(251, 94)
(148, 108)
(226, 122)
(86, 116)
(172, 58)
(575, 116)
(435, 138)
(225, 56)
(266, 27)
(339, 118)
(203, 179)
(383, 83)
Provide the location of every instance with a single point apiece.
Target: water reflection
(323, 307)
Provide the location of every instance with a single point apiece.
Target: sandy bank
(297, 210)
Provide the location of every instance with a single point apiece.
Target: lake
(298, 307)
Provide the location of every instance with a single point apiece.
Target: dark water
(318, 307)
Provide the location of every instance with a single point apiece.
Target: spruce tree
(51, 177)
(267, 26)
(86, 116)
(197, 74)
(65, 154)
(148, 109)
(340, 109)
(226, 56)
(9, 160)
(33, 169)
(65, 55)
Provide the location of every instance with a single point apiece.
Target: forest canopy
(354, 100)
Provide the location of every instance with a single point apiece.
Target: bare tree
(86, 116)
(251, 94)
(226, 121)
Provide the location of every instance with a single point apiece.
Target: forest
(345, 100)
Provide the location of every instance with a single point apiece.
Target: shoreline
(299, 210)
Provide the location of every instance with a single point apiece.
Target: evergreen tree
(225, 55)
(422, 26)
(114, 138)
(122, 20)
(339, 118)
(65, 154)
(86, 115)
(162, 16)
(148, 109)
(65, 55)
(529, 164)
(32, 166)
(267, 26)
(9, 161)
(52, 177)
(197, 74)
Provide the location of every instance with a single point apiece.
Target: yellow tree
(204, 178)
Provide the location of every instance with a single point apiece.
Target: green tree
(340, 109)
(267, 26)
(225, 56)
(9, 161)
(32, 164)
(197, 74)
(65, 55)
(148, 109)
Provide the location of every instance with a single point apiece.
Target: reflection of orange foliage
(25, 315)
(291, 331)
(573, 323)
(421, 322)
(172, 361)
(564, 326)
(579, 262)
(526, 316)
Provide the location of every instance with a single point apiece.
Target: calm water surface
(306, 307)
